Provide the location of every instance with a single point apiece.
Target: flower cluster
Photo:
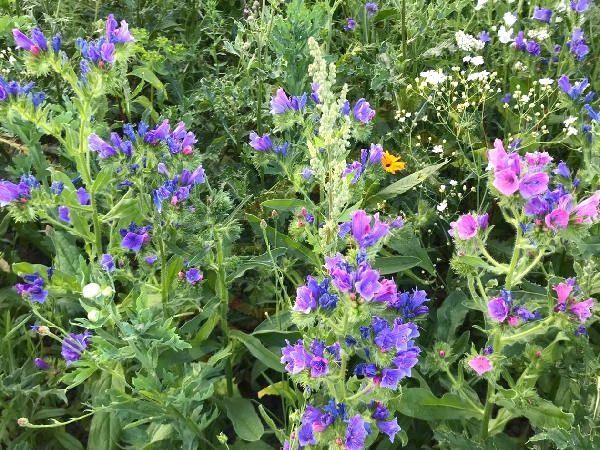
(102, 51)
(37, 43)
(178, 188)
(502, 309)
(17, 192)
(13, 89)
(568, 300)
(530, 176)
(33, 288)
(135, 237)
(366, 323)
(468, 225)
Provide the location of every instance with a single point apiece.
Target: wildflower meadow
(297, 224)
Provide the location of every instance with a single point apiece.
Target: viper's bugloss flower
(350, 24)
(533, 184)
(542, 14)
(35, 45)
(134, 237)
(365, 230)
(411, 304)
(594, 115)
(577, 45)
(103, 148)
(33, 288)
(120, 35)
(41, 364)
(580, 6)
(371, 8)
(193, 276)
(73, 346)
(314, 294)
(57, 187)
(314, 95)
(307, 173)
(356, 433)
(107, 262)
(260, 143)
(389, 427)
(150, 259)
(280, 103)
(465, 227)
(295, 357)
(83, 196)
(572, 90)
(498, 309)
(11, 192)
(362, 111)
(480, 364)
(64, 214)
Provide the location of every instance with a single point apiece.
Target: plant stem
(487, 410)
(164, 288)
(223, 295)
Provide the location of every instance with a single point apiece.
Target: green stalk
(223, 295)
(487, 410)
(164, 287)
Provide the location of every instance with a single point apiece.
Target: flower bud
(442, 354)
(274, 214)
(107, 291)
(263, 224)
(91, 290)
(43, 330)
(93, 315)
(23, 421)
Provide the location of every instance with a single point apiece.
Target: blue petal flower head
(282, 149)
(57, 187)
(83, 196)
(298, 103)
(371, 8)
(134, 237)
(260, 143)
(594, 115)
(368, 370)
(335, 350)
(103, 148)
(158, 134)
(56, 43)
(390, 428)
(577, 45)
(542, 14)
(11, 192)
(306, 435)
(533, 48)
(563, 170)
(280, 103)
(350, 341)
(41, 364)
(107, 263)
(356, 169)
(73, 346)
(362, 111)
(23, 42)
(33, 288)
(380, 412)
(350, 24)
(193, 276)
(356, 433)
(580, 6)
(64, 214)
(120, 35)
(319, 367)
(151, 259)
(406, 360)
(345, 109)
(390, 378)
(295, 357)
(574, 91)
(38, 98)
(484, 37)
(367, 282)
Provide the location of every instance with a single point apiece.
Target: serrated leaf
(405, 184)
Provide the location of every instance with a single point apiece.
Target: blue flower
(280, 103)
(594, 115)
(33, 288)
(577, 45)
(350, 24)
(371, 8)
(260, 143)
(64, 214)
(362, 111)
(390, 428)
(356, 433)
(73, 346)
(580, 6)
(98, 145)
(542, 14)
(193, 276)
(574, 91)
(107, 262)
(83, 196)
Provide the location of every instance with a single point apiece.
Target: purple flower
(260, 143)
(57, 187)
(507, 98)
(306, 435)
(160, 133)
(103, 148)
(64, 214)
(356, 433)
(314, 92)
(484, 37)
(520, 41)
(371, 8)
(82, 196)
(580, 6)
(345, 109)
(73, 346)
(534, 184)
(367, 282)
(574, 91)
(365, 232)
(557, 219)
(506, 181)
(33, 288)
(56, 43)
(542, 14)
(9, 192)
(390, 378)
(295, 357)
(577, 45)
(150, 259)
(355, 168)
(480, 364)
(411, 305)
(483, 221)
(280, 103)
(307, 173)
(362, 111)
(319, 367)
(107, 52)
(390, 428)
(563, 170)
(134, 237)
(298, 103)
(193, 276)
(465, 227)
(198, 176)
(350, 24)
(25, 43)
(498, 309)
(533, 48)
(406, 360)
(375, 153)
(41, 364)
(594, 115)
(119, 35)
(107, 262)
(583, 310)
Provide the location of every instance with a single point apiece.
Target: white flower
(546, 81)
(477, 60)
(91, 290)
(509, 19)
(442, 206)
(570, 121)
(466, 42)
(480, 76)
(504, 35)
(453, 182)
(437, 149)
(480, 4)
(434, 77)
(540, 34)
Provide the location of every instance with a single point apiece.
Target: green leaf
(540, 412)
(385, 14)
(286, 204)
(275, 237)
(246, 423)
(394, 264)
(252, 262)
(102, 179)
(146, 74)
(405, 184)
(422, 404)
(258, 350)
(451, 315)
(408, 244)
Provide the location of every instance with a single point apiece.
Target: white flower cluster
(467, 42)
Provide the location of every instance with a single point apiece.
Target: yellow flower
(392, 163)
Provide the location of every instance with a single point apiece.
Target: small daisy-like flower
(392, 163)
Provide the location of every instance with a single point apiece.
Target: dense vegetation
(295, 224)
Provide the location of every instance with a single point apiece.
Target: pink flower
(466, 226)
(583, 310)
(559, 218)
(513, 321)
(506, 181)
(498, 156)
(563, 290)
(480, 364)
(587, 210)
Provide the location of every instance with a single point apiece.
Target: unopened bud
(22, 421)
(93, 315)
(263, 224)
(274, 214)
(222, 438)
(91, 290)
(442, 354)
(107, 291)
(538, 354)
(43, 330)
